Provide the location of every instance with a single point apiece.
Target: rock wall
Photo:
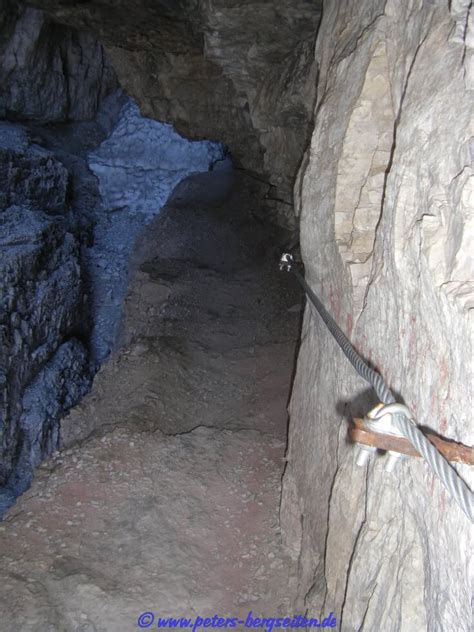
(385, 197)
(233, 71)
(48, 71)
(42, 307)
(49, 74)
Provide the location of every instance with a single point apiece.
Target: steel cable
(456, 487)
(454, 484)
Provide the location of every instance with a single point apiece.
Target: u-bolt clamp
(383, 429)
(381, 419)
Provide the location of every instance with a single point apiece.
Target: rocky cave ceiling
(235, 71)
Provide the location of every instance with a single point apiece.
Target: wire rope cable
(450, 478)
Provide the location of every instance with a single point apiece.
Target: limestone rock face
(48, 71)
(386, 205)
(58, 385)
(42, 299)
(41, 308)
(215, 72)
(29, 175)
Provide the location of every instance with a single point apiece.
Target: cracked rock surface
(41, 305)
(386, 206)
(48, 71)
(170, 502)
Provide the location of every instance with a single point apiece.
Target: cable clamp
(392, 410)
(383, 419)
(286, 262)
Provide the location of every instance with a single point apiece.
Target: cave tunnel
(235, 298)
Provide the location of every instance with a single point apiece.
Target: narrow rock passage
(165, 497)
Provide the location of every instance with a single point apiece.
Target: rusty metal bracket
(451, 450)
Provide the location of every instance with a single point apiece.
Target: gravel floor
(165, 496)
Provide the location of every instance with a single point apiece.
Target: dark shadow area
(209, 326)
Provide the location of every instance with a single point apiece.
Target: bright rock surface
(386, 204)
(142, 161)
(138, 166)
